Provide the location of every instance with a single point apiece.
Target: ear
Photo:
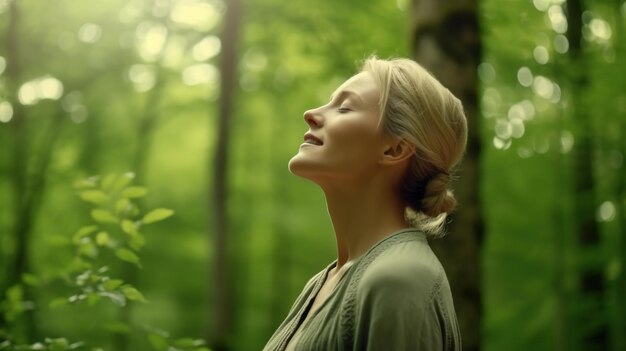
(397, 151)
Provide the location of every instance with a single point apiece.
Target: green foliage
(88, 276)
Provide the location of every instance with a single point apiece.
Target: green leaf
(93, 298)
(188, 343)
(108, 181)
(133, 294)
(94, 196)
(61, 301)
(127, 255)
(102, 239)
(157, 215)
(123, 180)
(122, 205)
(117, 327)
(129, 227)
(103, 216)
(137, 242)
(88, 249)
(158, 341)
(88, 183)
(135, 192)
(31, 279)
(114, 296)
(82, 232)
(112, 284)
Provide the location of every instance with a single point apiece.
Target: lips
(312, 139)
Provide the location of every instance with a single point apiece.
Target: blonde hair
(417, 108)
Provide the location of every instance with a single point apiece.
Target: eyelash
(343, 110)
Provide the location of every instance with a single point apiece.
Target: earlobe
(397, 152)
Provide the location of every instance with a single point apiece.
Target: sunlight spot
(151, 40)
(89, 33)
(486, 72)
(557, 19)
(196, 14)
(516, 111)
(517, 127)
(556, 93)
(402, 4)
(567, 141)
(543, 87)
(501, 144)
(608, 54)
(491, 101)
(72, 103)
(46, 87)
(613, 269)
(27, 94)
(249, 81)
(525, 76)
(523, 152)
(3, 64)
(255, 60)
(541, 5)
(6, 112)
(503, 129)
(606, 212)
(3, 5)
(142, 77)
(207, 48)
(541, 55)
(529, 109)
(200, 74)
(600, 29)
(561, 44)
(50, 88)
(79, 114)
(131, 12)
(541, 146)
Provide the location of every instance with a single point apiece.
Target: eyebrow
(344, 93)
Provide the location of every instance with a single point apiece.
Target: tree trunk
(592, 329)
(222, 279)
(446, 41)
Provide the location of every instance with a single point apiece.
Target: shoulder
(407, 270)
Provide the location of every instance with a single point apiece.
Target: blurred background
(202, 100)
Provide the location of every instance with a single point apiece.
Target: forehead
(362, 84)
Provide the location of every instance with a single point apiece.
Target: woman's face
(344, 140)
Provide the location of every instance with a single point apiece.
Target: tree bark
(446, 41)
(592, 333)
(222, 279)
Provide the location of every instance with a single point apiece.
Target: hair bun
(437, 198)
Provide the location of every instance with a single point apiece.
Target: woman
(382, 151)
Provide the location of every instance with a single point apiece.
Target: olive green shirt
(394, 297)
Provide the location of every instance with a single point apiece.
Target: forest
(146, 204)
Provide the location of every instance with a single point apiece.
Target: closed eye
(344, 110)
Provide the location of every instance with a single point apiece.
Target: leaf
(31, 279)
(123, 181)
(157, 215)
(133, 294)
(88, 249)
(94, 196)
(137, 242)
(108, 181)
(112, 284)
(118, 327)
(187, 343)
(127, 255)
(93, 298)
(82, 232)
(129, 227)
(114, 296)
(103, 239)
(158, 341)
(61, 301)
(134, 192)
(103, 216)
(88, 183)
(122, 205)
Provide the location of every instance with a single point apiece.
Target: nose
(313, 118)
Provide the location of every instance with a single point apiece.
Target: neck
(362, 215)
